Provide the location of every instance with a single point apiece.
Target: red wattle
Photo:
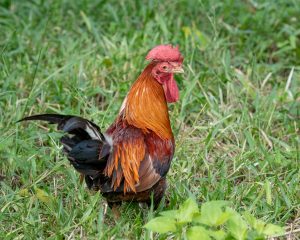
(171, 90)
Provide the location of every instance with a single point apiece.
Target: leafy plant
(214, 220)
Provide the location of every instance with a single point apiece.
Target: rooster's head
(168, 60)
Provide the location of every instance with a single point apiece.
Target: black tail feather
(69, 123)
(51, 118)
(84, 144)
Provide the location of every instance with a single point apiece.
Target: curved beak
(177, 70)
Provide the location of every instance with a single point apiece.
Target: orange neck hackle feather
(146, 107)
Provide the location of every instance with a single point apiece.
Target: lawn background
(236, 124)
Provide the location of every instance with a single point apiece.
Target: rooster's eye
(164, 67)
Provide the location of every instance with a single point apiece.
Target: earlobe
(155, 74)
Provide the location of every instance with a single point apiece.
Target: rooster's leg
(115, 209)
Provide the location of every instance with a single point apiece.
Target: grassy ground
(236, 124)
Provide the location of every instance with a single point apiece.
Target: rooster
(128, 162)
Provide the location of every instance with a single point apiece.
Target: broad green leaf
(272, 229)
(161, 225)
(257, 225)
(223, 218)
(187, 210)
(212, 213)
(197, 233)
(253, 235)
(170, 213)
(236, 225)
(197, 217)
(218, 235)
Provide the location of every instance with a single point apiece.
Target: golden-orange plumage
(145, 108)
(125, 163)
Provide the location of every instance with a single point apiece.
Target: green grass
(236, 124)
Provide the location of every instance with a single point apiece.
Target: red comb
(165, 53)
